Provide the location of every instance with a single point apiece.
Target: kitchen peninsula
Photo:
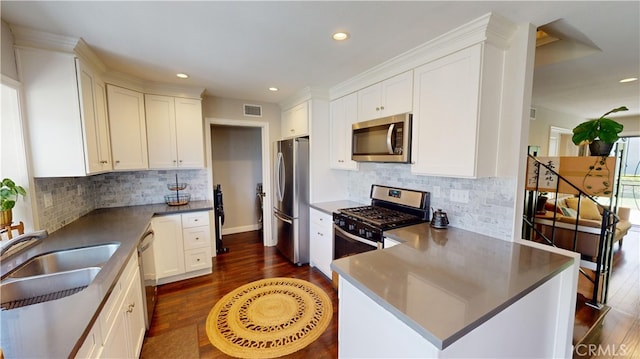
(454, 293)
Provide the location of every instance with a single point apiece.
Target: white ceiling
(239, 49)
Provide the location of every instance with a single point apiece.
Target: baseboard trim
(240, 229)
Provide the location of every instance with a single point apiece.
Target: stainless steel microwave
(386, 139)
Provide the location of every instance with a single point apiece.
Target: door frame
(267, 234)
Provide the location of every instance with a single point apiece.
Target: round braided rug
(269, 318)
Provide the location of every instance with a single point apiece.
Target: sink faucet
(37, 235)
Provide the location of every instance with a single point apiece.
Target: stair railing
(604, 257)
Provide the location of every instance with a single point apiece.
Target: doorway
(238, 155)
(560, 143)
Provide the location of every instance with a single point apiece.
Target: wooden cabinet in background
(344, 112)
(65, 112)
(456, 114)
(174, 132)
(387, 98)
(295, 121)
(128, 128)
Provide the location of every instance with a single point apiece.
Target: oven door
(346, 244)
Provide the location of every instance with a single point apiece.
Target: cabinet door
(295, 122)
(369, 102)
(52, 109)
(446, 114)
(128, 129)
(94, 119)
(168, 245)
(133, 310)
(116, 345)
(161, 131)
(397, 94)
(344, 112)
(321, 241)
(189, 133)
(102, 122)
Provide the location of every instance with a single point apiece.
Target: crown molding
(303, 95)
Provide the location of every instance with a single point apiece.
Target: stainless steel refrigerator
(291, 203)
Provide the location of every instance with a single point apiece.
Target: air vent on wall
(253, 110)
(532, 114)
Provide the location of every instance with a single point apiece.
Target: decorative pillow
(588, 209)
(569, 212)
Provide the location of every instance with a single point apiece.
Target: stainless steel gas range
(359, 229)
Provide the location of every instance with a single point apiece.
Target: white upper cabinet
(295, 121)
(65, 114)
(386, 98)
(457, 112)
(128, 129)
(344, 112)
(94, 115)
(174, 132)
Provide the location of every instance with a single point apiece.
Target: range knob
(369, 234)
(361, 231)
(352, 226)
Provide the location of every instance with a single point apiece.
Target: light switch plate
(459, 195)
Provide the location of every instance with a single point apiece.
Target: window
(13, 156)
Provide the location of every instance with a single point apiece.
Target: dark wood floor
(188, 302)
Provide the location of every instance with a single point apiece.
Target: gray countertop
(57, 328)
(443, 283)
(334, 206)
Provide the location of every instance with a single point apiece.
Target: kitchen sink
(65, 260)
(15, 293)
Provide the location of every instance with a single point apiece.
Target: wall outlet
(48, 200)
(80, 190)
(459, 195)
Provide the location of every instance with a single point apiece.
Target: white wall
(237, 166)
(539, 129)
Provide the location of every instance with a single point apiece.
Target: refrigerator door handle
(279, 178)
(278, 216)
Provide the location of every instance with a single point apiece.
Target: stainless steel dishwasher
(147, 274)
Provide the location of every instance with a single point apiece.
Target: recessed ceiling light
(630, 79)
(182, 76)
(273, 89)
(340, 36)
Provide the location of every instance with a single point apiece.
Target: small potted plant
(9, 193)
(600, 134)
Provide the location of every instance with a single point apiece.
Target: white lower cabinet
(119, 330)
(182, 246)
(321, 241)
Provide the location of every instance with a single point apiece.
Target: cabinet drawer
(195, 219)
(196, 237)
(196, 259)
(320, 218)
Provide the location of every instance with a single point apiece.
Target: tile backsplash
(489, 210)
(73, 197)
(490, 206)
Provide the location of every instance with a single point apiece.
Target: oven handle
(348, 235)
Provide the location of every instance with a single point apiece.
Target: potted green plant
(9, 193)
(600, 133)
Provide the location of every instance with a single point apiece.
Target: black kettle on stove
(439, 219)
